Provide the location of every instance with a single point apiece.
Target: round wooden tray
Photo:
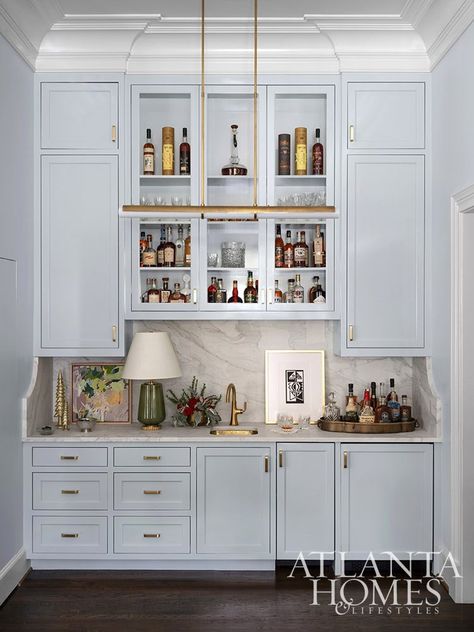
(377, 428)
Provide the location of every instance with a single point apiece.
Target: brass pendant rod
(255, 103)
(203, 92)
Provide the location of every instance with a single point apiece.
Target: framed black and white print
(294, 385)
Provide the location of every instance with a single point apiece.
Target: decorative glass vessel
(234, 168)
(233, 254)
(332, 412)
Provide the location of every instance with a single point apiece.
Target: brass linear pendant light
(203, 209)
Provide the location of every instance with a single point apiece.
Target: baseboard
(171, 565)
(12, 573)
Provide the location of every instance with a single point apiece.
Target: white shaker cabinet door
(386, 252)
(79, 116)
(233, 502)
(386, 115)
(79, 252)
(386, 499)
(305, 499)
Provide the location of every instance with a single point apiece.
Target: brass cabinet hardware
(114, 133)
(69, 535)
(114, 333)
(151, 535)
(152, 492)
(351, 333)
(267, 463)
(69, 491)
(346, 459)
(351, 133)
(195, 296)
(69, 458)
(151, 458)
(280, 458)
(262, 297)
(270, 296)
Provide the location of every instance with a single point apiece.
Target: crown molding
(453, 30)
(17, 38)
(414, 11)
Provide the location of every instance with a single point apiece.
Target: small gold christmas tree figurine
(65, 417)
(60, 402)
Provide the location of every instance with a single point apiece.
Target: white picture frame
(294, 385)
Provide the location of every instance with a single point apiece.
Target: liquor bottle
(212, 290)
(143, 245)
(167, 151)
(149, 255)
(382, 412)
(298, 292)
(144, 296)
(177, 296)
(234, 167)
(288, 297)
(148, 156)
(289, 251)
(160, 251)
(320, 294)
(279, 249)
(318, 155)
(316, 293)
(185, 155)
(319, 252)
(221, 294)
(393, 403)
(351, 413)
(235, 298)
(284, 162)
(277, 294)
(250, 292)
(405, 409)
(373, 395)
(165, 292)
(367, 414)
(169, 249)
(332, 412)
(187, 287)
(154, 294)
(180, 254)
(301, 251)
(301, 151)
(187, 248)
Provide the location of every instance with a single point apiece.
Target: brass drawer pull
(346, 459)
(69, 491)
(114, 133)
(69, 535)
(151, 535)
(151, 458)
(152, 492)
(267, 463)
(69, 458)
(351, 133)
(351, 333)
(280, 458)
(114, 333)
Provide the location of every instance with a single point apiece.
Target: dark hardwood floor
(119, 601)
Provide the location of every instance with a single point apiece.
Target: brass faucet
(231, 396)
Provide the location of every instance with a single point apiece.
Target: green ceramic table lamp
(151, 357)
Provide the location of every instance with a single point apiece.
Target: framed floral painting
(99, 391)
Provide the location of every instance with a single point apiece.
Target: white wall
(16, 245)
(453, 170)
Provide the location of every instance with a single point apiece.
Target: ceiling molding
(17, 38)
(453, 30)
(415, 10)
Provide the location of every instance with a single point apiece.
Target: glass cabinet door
(164, 265)
(300, 266)
(233, 275)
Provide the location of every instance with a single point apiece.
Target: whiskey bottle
(167, 151)
(165, 292)
(319, 252)
(316, 294)
(149, 255)
(144, 296)
(235, 298)
(221, 294)
(318, 155)
(177, 296)
(185, 155)
(180, 249)
(301, 152)
(212, 290)
(332, 412)
(367, 414)
(250, 292)
(393, 403)
(148, 156)
(169, 249)
(288, 297)
(160, 251)
(279, 249)
(405, 409)
(351, 412)
(187, 248)
(284, 166)
(373, 395)
(289, 251)
(154, 294)
(320, 291)
(299, 251)
(187, 287)
(382, 412)
(298, 291)
(277, 294)
(143, 245)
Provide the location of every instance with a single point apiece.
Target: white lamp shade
(151, 357)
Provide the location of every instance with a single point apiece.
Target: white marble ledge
(133, 433)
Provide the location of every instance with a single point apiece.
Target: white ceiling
(296, 36)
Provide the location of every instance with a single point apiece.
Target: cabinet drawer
(77, 535)
(152, 457)
(152, 491)
(69, 491)
(151, 535)
(70, 457)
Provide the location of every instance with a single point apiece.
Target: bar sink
(234, 431)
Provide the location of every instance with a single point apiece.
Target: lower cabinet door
(233, 501)
(305, 499)
(386, 499)
(69, 491)
(152, 534)
(75, 535)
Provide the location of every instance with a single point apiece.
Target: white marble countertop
(133, 433)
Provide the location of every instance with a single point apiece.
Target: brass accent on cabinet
(351, 133)
(151, 535)
(152, 492)
(202, 212)
(195, 296)
(69, 458)
(114, 133)
(280, 458)
(151, 458)
(346, 459)
(267, 463)
(69, 535)
(114, 333)
(69, 491)
(351, 333)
